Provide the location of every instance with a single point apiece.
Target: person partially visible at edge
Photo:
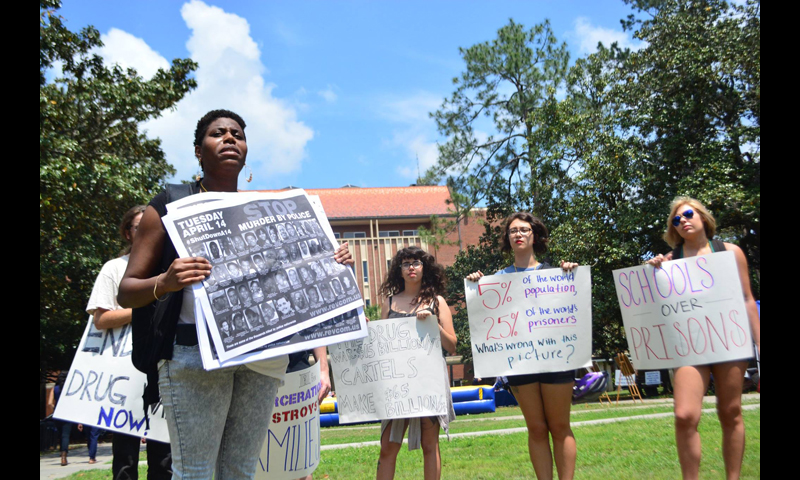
(218, 419)
(690, 232)
(544, 398)
(64, 427)
(413, 287)
(107, 313)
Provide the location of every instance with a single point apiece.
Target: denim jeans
(92, 436)
(216, 419)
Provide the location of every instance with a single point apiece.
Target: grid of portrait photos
(344, 327)
(268, 278)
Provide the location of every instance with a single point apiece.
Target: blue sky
(334, 92)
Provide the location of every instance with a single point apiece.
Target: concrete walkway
(78, 458)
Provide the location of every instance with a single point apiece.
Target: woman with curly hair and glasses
(690, 232)
(413, 287)
(544, 398)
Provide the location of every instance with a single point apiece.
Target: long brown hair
(433, 277)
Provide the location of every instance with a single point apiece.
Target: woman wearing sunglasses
(544, 398)
(690, 231)
(413, 287)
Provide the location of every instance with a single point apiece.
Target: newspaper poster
(104, 389)
(530, 322)
(273, 271)
(347, 326)
(688, 312)
(292, 447)
(396, 372)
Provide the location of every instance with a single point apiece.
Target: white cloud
(588, 36)
(231, 76)
(328, 94)
(122, 48)
(416, 131)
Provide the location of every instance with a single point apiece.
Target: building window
(410, 233)
(388, 265)
(389, 233)
(366, 271)
(366, 302)
(337, 235)
(355, 235)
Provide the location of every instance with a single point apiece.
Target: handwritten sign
(530, 322)
(688, 312)
(291, 449)
(104, 389)
(396, 372)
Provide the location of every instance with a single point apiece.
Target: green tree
(438, 233)
(94, 164)
(694, 95)
(491, 117)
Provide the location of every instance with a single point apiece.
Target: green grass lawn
(640, 448)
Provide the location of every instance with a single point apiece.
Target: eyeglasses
(688, 215)
(416, 264)
(522, 230)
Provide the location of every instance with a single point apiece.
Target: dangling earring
(250, 175)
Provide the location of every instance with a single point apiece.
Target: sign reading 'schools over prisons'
(530, 322)
(396, 372)
(273, 272)
(104, 389)
(688, 312)
(291, 449)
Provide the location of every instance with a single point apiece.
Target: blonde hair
(672, 237)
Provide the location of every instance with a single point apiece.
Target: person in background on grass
(107, 313)
(544, 398)
(690, 232)
(413, 288)
(64, 427)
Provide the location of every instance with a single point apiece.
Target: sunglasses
(688, 215)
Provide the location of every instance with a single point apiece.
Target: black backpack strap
(718, 245)
(176, 191)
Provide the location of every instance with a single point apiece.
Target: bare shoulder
(441, 300)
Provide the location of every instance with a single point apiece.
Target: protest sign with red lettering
(688, 312)
(530, 322)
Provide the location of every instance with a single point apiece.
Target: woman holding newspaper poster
(413, 287)
(217, 419)
(544, 398)
(690, 232)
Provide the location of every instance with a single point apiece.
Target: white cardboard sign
(292, 449)
(530, 322)
(396, 372)
(688, 312)
(104, 389)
